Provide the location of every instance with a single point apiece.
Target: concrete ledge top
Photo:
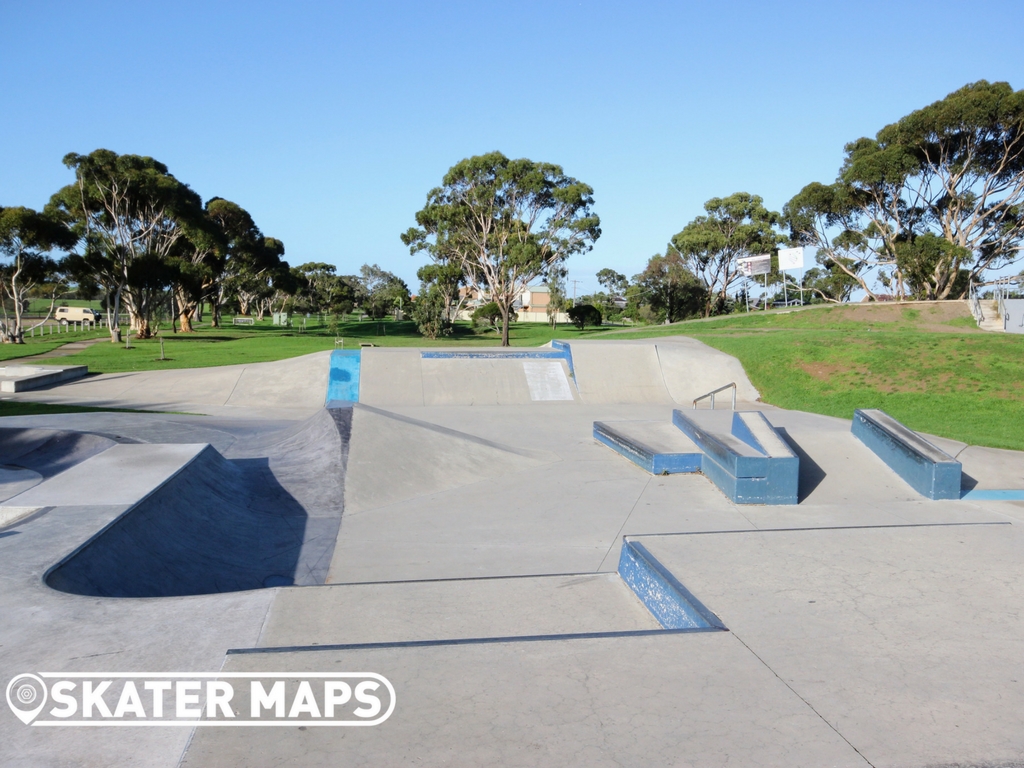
(908, 437)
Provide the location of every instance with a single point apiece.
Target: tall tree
(26, 238)
(953, 170)
(131, 209)
(505, 222)
(323, 288)
(734, 227)
(614, 282)
(671, 290)
(382, 292)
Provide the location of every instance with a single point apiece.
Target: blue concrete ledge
(738, 459)
(669, 602)
(343, 381)
(644, 456)
(751, 464)
(927, 469)
(782, 483)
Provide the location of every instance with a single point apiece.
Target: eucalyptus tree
(505, 223)
(616, 283)
(253, 280)
(382, 291)
(323, 289)
(131, 209)
(669, 288)
(733, 227)
(953, 170)
(26, 240)
(197, 263)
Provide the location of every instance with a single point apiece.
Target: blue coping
(645, 457)
(928, 470)
(993, 495)
(343, 382)
(669, 602)
(559, 351)
(565, 348)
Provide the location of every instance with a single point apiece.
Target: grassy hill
(926, 364)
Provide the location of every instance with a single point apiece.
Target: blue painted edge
(933, 479)
(635, 454)
(343, 377)
(741, 431)
(564, 347)
(559, 351)
(672, 604)
(739, 490)
(993, 495)
(711, 445)
(644, 457)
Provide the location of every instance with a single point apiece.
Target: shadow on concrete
(49, 451)
(967, 483)
(223, 525)
(811, 474)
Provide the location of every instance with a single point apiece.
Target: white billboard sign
(791, 258)
(755, 265)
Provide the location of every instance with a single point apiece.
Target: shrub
(583, 315)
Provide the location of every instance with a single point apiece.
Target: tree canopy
(953, 170)
(505, 223)
(26, 239)
(733, 227)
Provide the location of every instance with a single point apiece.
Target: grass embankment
(264, 342)
(926, 365)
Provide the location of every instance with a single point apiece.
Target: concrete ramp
(393, 458)
(49, 451)
(618, 372)
(691, 369)
(674, 371)
(219, 525)
(395, 377)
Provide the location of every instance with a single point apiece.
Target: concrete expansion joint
(804, 700)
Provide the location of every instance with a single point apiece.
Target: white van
(65, 315)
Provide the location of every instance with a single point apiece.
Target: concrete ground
(475, 569)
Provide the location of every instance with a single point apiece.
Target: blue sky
(330, 122)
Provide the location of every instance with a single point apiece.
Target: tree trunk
(504, 325)
(113, 323)
(185, 307)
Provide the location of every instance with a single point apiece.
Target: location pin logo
(26, 696)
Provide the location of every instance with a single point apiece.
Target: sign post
(791, 258)
(756, 265)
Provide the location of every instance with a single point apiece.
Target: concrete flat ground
(475, 568)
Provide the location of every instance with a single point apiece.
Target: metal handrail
(713, 392)
(975, 303)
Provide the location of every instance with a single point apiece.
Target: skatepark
(553, 556)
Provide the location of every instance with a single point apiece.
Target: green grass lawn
(928, 366)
